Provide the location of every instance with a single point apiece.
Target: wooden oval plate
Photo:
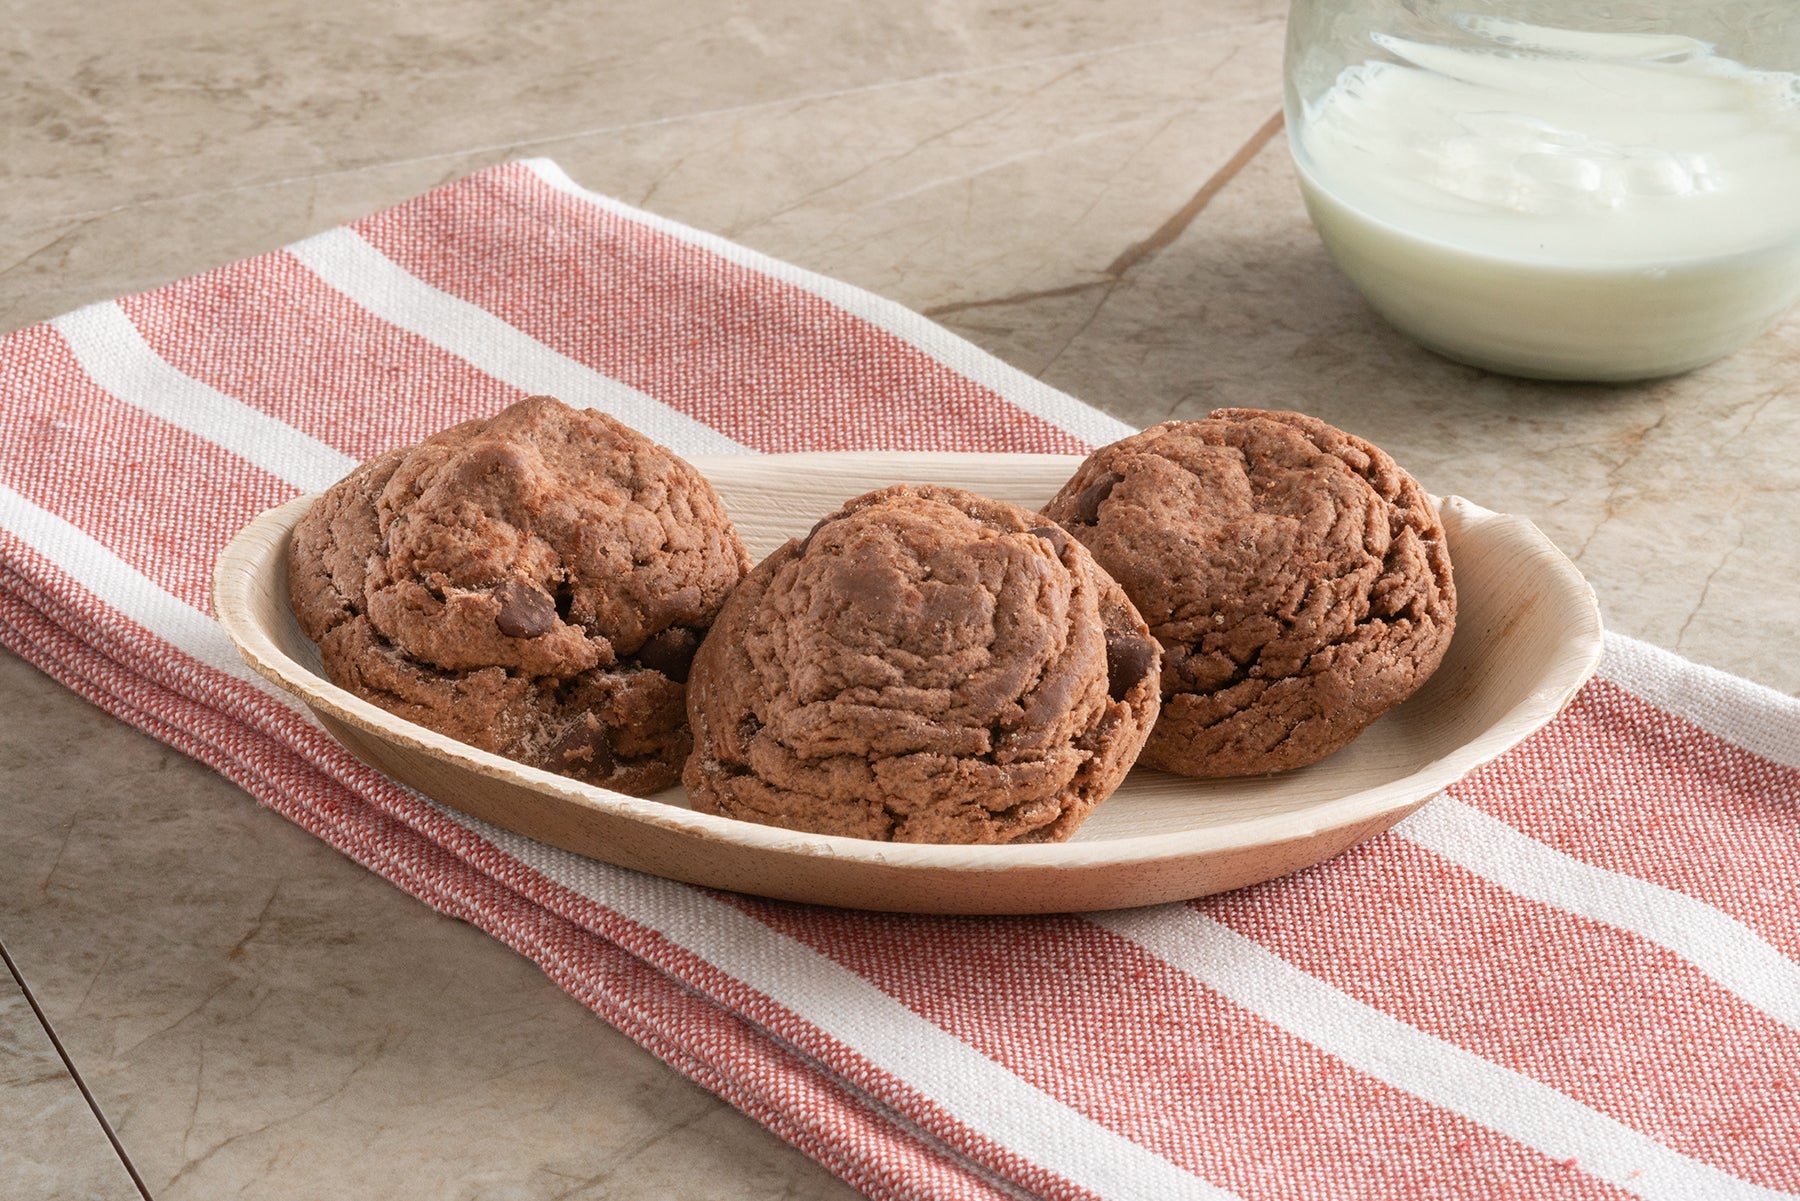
(1528, 635)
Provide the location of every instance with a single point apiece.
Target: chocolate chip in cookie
(1084, 507)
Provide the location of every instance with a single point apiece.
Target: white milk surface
(1561, 204)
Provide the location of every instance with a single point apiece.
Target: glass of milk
(1559, 190)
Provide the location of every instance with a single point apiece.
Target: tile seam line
(1147, 247)
(74, 1074)
(525, 144)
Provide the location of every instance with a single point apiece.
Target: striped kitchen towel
(1575, 974)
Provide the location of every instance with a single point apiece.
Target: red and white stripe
(115, 357)
(1760, 720)
(1706, 937)
(1024, 393)
(1577, 974)
(323, 367)
(342, 259)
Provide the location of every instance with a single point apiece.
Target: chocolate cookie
(1297, 579)
(927, 665)
(534, 584)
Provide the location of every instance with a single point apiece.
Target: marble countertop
(1099, 194)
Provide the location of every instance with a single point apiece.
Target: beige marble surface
(51, 1143)
(1099, 194)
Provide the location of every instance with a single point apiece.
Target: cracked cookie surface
(927, 665)
(533, 584)
(1297, 579)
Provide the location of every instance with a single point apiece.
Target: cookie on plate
(1297, 580)
(927, 665)
(534, 584)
